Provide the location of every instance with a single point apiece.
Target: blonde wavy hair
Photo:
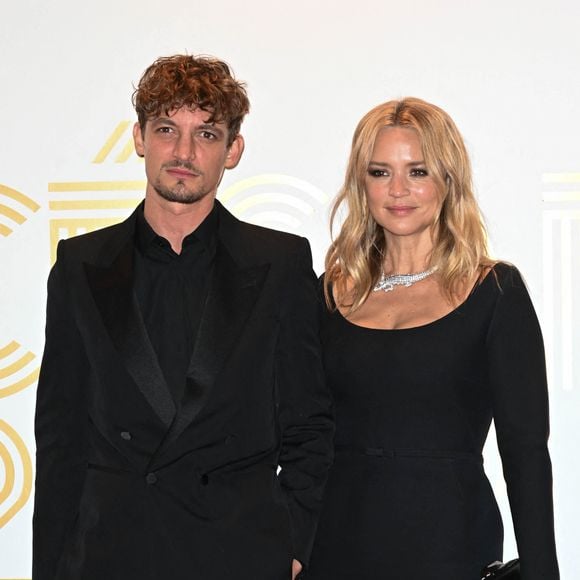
(355, 258)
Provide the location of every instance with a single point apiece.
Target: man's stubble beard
(179, 193)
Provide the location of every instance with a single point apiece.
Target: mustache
(182, 165)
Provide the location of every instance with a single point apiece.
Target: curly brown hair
(196, 82)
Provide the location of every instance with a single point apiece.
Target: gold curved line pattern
(111, 141)
(12, 214)
(10, 348)
(19, 197)
(9, 471)
(27, 473)
(270, 179)
(260, 199)
(17, 365)
(21, 384)
(275, 217)
(5, 230)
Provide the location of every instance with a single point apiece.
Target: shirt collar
(206, 232)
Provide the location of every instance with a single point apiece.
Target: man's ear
(138, 140)
(235, 152)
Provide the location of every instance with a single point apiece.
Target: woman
(426, 339)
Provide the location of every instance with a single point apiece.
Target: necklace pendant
(384, 284)
(388, 283)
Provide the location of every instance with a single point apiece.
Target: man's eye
(163, 130)
(208, 135)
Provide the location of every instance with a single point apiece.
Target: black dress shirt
(171, 290)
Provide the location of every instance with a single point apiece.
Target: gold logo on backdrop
(78, 207)
(121, 141)
(561, 261)
(16, 481)
(81, 214)
(275, 200)
(18, 369)
(14, 209)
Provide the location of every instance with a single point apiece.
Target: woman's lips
(400, 210)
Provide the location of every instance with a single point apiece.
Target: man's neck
(175, 221)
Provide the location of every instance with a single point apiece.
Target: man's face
(185, 156)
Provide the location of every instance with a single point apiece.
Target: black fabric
(171, 290)
(130, 485)
(407, 497)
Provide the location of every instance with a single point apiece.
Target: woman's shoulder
(506, 275)
(499, 282)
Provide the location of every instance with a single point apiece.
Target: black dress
(408, 498)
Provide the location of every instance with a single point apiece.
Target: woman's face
(402, 196)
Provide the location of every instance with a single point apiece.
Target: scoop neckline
(469, 298)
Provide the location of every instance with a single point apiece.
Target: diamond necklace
(388, 283)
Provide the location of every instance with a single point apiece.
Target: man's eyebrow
(163, 119)
(203, 126)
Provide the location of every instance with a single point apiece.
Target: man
(181, 368)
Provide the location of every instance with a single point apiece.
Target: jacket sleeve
(305, 414)
(520, 408)
(60, 427)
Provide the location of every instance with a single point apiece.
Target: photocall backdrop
(507, 72)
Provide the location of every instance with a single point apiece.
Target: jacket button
(204, 479)
(126, 435)
(151, 478)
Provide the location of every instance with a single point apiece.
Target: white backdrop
(506, 71)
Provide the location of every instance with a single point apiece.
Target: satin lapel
(112, 289)
(231, 298)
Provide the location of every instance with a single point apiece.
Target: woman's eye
(419, 172)
(377, 172)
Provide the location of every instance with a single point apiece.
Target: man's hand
(296, 568)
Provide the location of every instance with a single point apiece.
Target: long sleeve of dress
(517, 375)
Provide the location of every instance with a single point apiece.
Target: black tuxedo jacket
(128, 487)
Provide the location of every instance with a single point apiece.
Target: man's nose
(184, 148)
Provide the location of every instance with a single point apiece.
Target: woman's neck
(407, 254)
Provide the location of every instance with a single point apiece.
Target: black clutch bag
(498, 571)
